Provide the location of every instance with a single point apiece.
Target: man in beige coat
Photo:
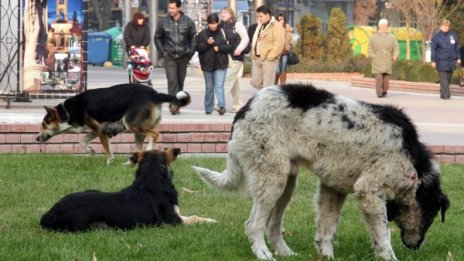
(383, 49)
(267, 45)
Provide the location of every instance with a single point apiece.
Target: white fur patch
(182, 95)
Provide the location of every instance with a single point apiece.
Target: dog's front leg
(193, 219)
(374, 211)
(328, 204)
(86, 141)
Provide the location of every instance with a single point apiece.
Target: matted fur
(371, 151)
(105, 112)
(151, 200)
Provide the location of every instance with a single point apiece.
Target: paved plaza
(440, 122)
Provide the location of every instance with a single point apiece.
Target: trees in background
(338, 47)
(310, 44)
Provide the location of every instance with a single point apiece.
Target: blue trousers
(214, 82)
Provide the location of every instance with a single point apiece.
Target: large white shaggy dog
(369, 150)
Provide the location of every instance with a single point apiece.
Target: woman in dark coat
(445, 56)
(136, 32)
(213, 50)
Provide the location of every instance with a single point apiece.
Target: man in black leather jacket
(175, 40)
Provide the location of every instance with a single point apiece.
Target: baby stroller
(139, 66)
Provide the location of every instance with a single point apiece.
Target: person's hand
(216, 49)
(237, 52)
(210, 40)
(433, 65)
(132, 46)
(458, 61)
(395, 57)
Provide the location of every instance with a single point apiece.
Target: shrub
(338, 43)
(310, 43)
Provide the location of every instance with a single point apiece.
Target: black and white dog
(151, 200)
(372, 151)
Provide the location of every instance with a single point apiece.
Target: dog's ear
(136, 157)
(444, 205)
(171, 154)
(50, 110)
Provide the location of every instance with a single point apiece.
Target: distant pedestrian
(445, 56)
(239, 39)
(267, 45)
(176, 42)
(213, 51)
(383, 49)
(281, 73)
(136, 33)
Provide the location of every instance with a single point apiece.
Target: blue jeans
(214, 82)
(282, 63)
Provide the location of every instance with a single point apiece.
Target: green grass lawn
(31, 184)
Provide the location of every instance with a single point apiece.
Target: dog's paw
(210, 220)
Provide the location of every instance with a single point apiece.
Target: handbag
(292, 58)
(461, 77)
(229, 57)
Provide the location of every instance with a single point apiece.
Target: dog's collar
(62, 112)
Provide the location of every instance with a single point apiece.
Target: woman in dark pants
(445, 56)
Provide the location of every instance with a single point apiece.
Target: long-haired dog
(371, 151)
(151, 200)
(106, 112)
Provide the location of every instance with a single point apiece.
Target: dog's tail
(181, 99)
(230, 179)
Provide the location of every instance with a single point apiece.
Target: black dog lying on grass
(151, 200)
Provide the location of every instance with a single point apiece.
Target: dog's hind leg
(267, 186)
(153, 134)
(328, 205)
(139, 138)
(275, 222)
(86, 141)
(105, 141)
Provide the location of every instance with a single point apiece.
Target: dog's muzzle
(42, 138)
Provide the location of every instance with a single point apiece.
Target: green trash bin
(116, 46)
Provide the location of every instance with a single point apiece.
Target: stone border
(395, 85)
(189, 137)
(339, 77)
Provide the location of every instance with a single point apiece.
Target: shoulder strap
(224, 35)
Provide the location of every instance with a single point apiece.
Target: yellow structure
(359, 39)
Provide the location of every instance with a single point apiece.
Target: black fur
(110, 104)
(305, 97)
(150, 200)
(429, 194)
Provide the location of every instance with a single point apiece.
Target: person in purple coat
(445, 56)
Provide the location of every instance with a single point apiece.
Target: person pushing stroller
(137, 38)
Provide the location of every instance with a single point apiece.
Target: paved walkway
(440, 122)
